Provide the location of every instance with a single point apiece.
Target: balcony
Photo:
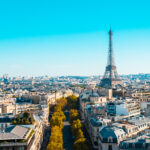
(9, 144)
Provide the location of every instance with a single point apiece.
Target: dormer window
(110, 140)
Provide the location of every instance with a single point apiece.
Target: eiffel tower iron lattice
(111, 77)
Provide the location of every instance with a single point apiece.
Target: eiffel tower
(111, 77)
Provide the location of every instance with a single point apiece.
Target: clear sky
(70, 37)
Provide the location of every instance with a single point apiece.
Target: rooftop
(14, 132)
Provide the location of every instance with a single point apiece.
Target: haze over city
(71, 37)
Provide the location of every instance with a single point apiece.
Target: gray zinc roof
(14, 132)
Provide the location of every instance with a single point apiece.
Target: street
(67, 135)
(45, 138)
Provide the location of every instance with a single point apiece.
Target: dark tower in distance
(111, 77)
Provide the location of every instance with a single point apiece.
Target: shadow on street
(67, 135)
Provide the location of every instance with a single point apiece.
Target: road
(45, 138)
(67, 135)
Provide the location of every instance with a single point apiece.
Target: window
(143, 145)
(21, 148)
(96, 143)
(97, 129)
(110, 147)
(110, 140)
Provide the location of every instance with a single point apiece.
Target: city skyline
(74, 75)
(72, 38)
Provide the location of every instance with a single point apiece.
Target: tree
(18, 119)
(25, 119)
(76, 125)
(79, 134)
(14, 122)
(61, 102)
(26, 114)
(56, 139)
(72, 102)
(73, 115)
(57, 108)
(31, 120)
(81, 144)
(60, 115)
(56, 121)
(26, 122)
(54, 146)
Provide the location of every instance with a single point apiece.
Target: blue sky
(70, 37)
